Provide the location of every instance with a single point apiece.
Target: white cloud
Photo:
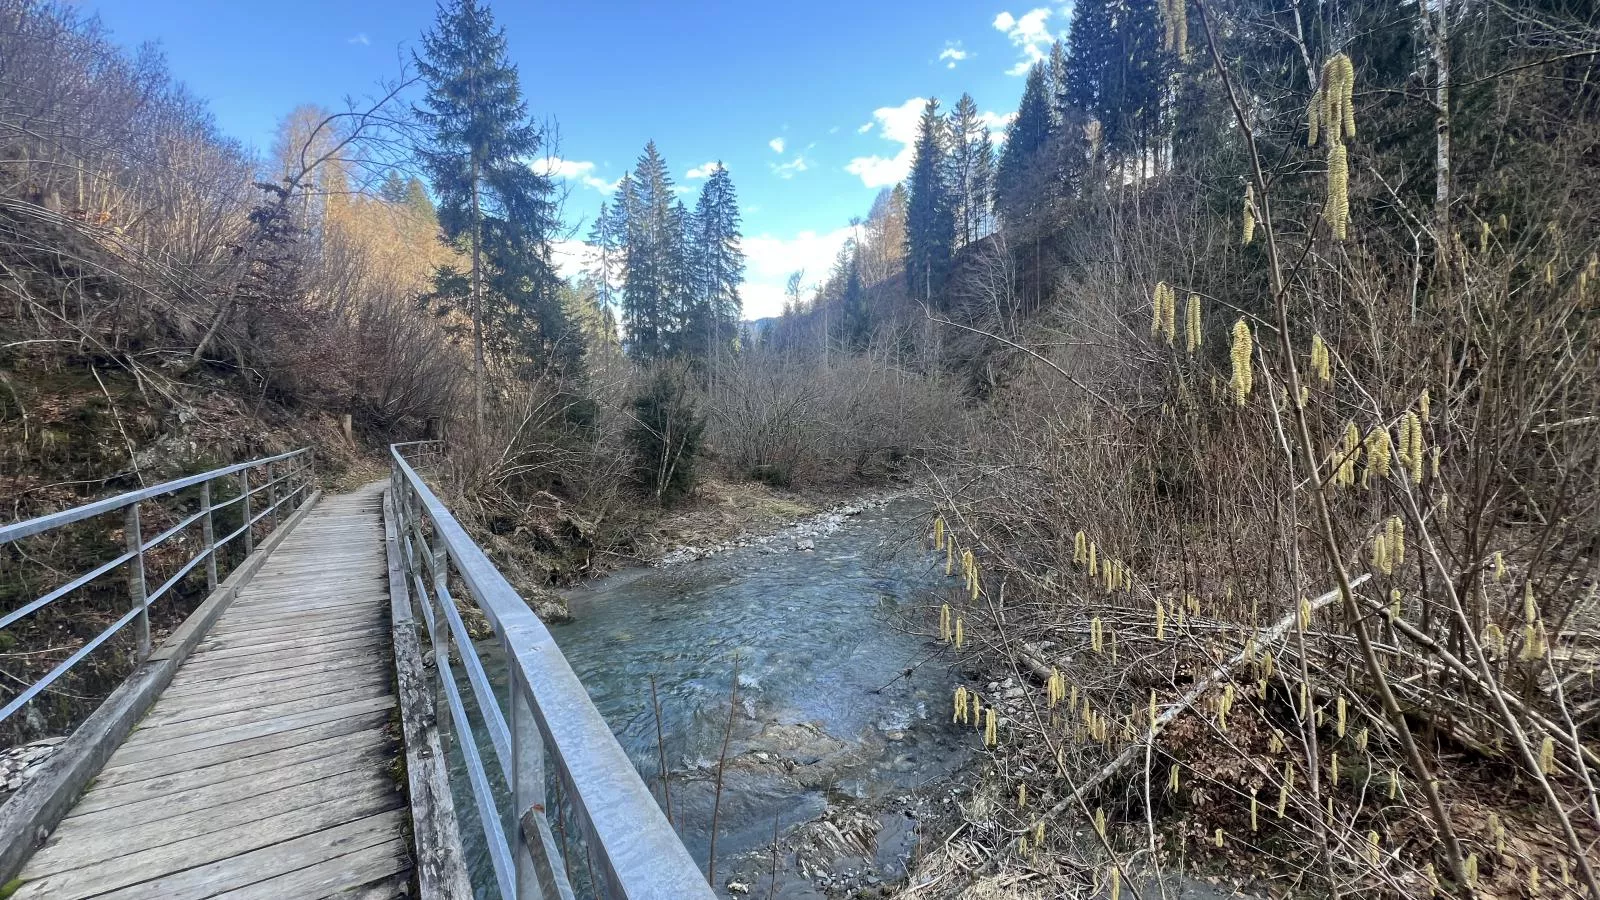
(996, 122)
(865, 128)
(569, 256)
(703, 170)
(952, 54)
(899, 124)
(833, 130)
(776, 144)
(360, 38)
(1031, 35)
(789, 169)
(580, 171)
(769, 261)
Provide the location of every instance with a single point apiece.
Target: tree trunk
(1440, 32)
(477, 304)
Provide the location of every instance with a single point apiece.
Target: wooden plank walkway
(267, 768)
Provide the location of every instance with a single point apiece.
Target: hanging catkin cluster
(1348, 455)
(1240, 353)
(1410, 451)
(1175, 14)
(1380, 451)
(1332, 114)
(1533, 640)
(1192, 324)
(1249, 213)
(1164, 316)
(1321, 365)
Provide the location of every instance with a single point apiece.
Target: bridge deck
(267, 768)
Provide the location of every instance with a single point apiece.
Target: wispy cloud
(776, 144)
(703, 170)
(996, 122)
(581, 171)
(360, 38)
(899, 124)
(952, 54)
(791, 168)
(1030, 33)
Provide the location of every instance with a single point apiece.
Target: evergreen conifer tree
(1018, 189)
(652, 277)
(971, 164)
(490, 200)
(719, 264)
(930, 220)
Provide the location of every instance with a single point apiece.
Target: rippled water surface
(823, 642)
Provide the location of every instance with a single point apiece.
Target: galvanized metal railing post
(527, 792)
(208, 534)
(272, 497)
(244, 504)
(136, 585)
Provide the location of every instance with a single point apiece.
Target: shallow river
(826, 714)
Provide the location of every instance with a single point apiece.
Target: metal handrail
(296, 475)
(634, 852)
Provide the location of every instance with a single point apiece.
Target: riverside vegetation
(1251, 381)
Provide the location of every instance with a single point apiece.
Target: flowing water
(826, 716)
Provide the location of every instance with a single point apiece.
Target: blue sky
(811, 107)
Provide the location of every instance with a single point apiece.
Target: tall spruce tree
(930, 219)
(1019, 182)
(1089, 51)
(1133, 83)
(605, 251)
(719, 267)
(971, 167)
(490, 200)
(857, 318)
(652, 236)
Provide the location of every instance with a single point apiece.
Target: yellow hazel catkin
(1240, 354)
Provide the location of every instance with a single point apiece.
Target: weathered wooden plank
(312, 671)
(252, 867)
(267, 663)
(241, 649)
(255, 613)
(236, 780)
(245, 735)
(365, 874)
(118, 772)
(227, 659)
(268, 631)
(145, 864)
(207, 721)
(207, 704)
(80, 843)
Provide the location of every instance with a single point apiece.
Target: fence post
(136, 586)
(244, 494)
(272, 496)
(208, 534)
(535, 869)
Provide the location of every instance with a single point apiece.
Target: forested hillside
(1276, 528)
(1253, 378)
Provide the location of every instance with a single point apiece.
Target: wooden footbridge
(295, 736)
